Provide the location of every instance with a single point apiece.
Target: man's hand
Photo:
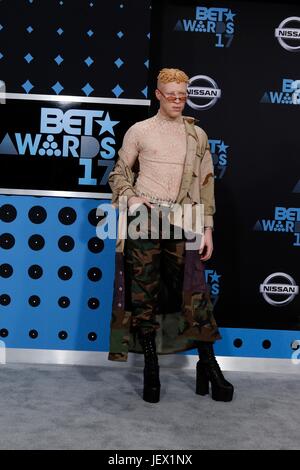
(206, 247)
(138, 200)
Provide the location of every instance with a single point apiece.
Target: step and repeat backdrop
(88, 48)
(56, 275)
(77, 74)
(243, 62)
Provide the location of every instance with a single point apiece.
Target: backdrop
(243, 62)
(77, 75)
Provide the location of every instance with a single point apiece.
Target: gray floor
(71, 407)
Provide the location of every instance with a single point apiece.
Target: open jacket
(178, 331)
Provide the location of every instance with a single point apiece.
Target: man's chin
(176, 112)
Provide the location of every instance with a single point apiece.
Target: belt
(157, 201)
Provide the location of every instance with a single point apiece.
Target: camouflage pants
(156, 266)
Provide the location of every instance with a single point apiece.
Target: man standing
(161, 300)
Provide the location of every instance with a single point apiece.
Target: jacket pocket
(199, 156)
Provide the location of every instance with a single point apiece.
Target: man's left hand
(206, 247)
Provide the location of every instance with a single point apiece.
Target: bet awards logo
(217, 21)
(219, 154)
(289, 36)
(213, 281)
(279, 289)
(203, 92)
(289, 93)
(286, 220)
(76, 133)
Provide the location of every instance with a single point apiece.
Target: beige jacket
(197, 183)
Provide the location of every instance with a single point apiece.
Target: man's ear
(157, 94)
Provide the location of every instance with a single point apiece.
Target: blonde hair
(172, 75)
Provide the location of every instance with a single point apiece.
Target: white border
(43, 192)
(88, 358)
(65, 99)
(70, 99)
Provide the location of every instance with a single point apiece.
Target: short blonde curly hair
(172, 75)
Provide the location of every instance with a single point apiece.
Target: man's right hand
(138, 200)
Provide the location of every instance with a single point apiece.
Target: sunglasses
(171, 97)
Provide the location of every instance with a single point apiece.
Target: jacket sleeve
(121, 178)
(207, 180)
(120, 181)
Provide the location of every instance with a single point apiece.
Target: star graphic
(107, 125)
(215, 277)
(223, 147)
(229, 15)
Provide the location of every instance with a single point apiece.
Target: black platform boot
(151, 391)
(208, 370)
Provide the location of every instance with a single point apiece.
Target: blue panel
(256, 343)
(48, 318)
(78, 320)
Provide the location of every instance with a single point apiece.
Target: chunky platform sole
(218, 393)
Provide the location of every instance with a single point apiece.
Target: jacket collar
(190, 122)
(190, 119)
